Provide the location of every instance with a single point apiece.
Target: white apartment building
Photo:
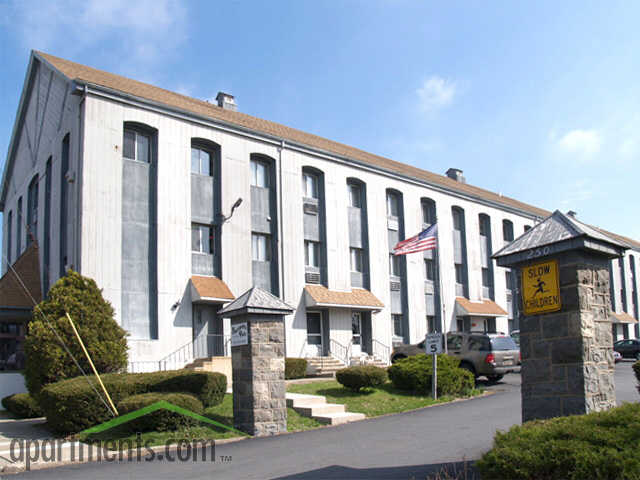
(133, 186)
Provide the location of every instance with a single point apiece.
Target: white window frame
(309, 185)
(259, 173)
(260, 247)
(356, 259)
(136, 145)
(355, 193)
(203, 230)
(311, 254)
(202, 149)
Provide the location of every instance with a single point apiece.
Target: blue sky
(539, 100)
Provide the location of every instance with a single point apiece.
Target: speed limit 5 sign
(433, 344)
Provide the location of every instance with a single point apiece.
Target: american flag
(425, 240)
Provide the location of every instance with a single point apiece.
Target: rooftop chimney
(456, 174)
(572, 213)
(226, 101)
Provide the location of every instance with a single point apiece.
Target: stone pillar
(565, 340)
(257, 359)
(259, 406)
(567, 356)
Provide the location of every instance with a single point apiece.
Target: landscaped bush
(47, 361)
(160, 420)
(22, 405)
(356, 378)
(636, 371)
(72, 405)
(415, 374)
(602, 445)
(295, 368)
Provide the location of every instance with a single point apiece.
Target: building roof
(210, 289)
(321, 296)
(622, 317)
(485, 308)
(25, 273)
(256, 300)
(92, 76)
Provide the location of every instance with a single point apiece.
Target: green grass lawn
(222, 413)
(372, 402)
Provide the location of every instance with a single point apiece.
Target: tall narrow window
(259, 174)
(201, 161)
(355, 195)
(311, 254)
(484, 222)
(139, 231)
(356, 259)
(429, 270)
(202, 238)
(9, 237)
(507, 230)
(32, 211)
(309, 185)
(46, 251)
(64, 203)
(260, 247)
(19, 229)
(393, 207)
(428, 212)
(460, 251)
(137, 146)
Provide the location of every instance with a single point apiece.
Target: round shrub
(600, 445)
(22, 405)
(295, 368)
(356, 378)
(415, 374)
(208, 387)
(160, 420)
(46, 359)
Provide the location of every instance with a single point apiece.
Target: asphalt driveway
(407, 445)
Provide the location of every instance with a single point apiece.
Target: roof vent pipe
(572, 214)
(227, 101)
(456, 174)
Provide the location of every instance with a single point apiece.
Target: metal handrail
(377, 346)
(338, 351)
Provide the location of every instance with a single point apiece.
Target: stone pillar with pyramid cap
(257, 358)
(565, 332)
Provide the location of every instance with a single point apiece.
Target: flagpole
(440, 299)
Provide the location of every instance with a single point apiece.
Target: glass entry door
(314, 334)
(356, 329)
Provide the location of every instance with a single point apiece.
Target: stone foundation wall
(567, 356)
(259, 405)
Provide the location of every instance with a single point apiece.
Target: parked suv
(484, 354)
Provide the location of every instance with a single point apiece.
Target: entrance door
(208, 340)
(314, 334)
(356, 329)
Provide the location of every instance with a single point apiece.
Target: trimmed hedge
(636, 371)
(72, 405)
(22, 405)
(295, 368)
(415, 374)
(366, 376)
(160, 420)
(601, 445)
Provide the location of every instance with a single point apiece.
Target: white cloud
(436, 92)
(139, 32)
(576, 192)
(581, 142)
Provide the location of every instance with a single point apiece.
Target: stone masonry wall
(567, 357)
(259, 406)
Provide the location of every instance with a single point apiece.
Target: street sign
(433, 343)
(540, 288)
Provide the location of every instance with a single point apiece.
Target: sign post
(433, 347)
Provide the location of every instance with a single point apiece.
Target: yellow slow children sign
(540, 289)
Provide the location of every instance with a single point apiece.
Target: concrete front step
(315, 406)
(315, 411)
(339, 418)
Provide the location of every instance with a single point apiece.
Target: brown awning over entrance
(484, 308)
(209, 290)
(23, 277)
(357, 299)
(622, 317)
